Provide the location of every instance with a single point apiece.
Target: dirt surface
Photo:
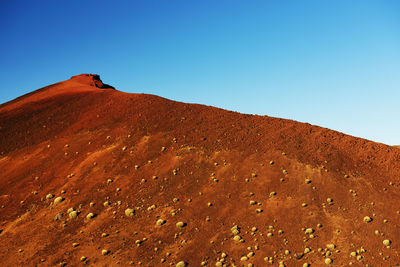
(245, 189)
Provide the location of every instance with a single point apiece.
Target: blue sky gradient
(331, 63)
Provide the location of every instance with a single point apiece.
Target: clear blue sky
(331, 63)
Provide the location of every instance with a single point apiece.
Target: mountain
(92, 175)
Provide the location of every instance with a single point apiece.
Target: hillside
(91, 175)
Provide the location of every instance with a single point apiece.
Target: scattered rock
(181, 264)
(244, 258)
(180, 224)
(330, 246)
(152, 207)
(73, 214)
(387, 242)
(129, 212)
(367, 219)
(58, 200)
(160, 222)
(309, 231)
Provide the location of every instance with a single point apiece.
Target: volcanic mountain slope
(91, 175)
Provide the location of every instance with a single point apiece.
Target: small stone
(105, 252)
(328, 261)
(237, 238)
(58, 200)
(387, 242)
(181, 264)
(180, 224)
(244, 258)
(309, 231)
(331, 246)
(160, 222)
(152, 207)
(129, 212)
(73, 214)
(367, 219)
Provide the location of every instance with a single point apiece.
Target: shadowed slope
(206, 167)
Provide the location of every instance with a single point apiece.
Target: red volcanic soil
(248, 189)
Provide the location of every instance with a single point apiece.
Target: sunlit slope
(94, 175)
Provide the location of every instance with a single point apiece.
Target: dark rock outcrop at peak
(91, 80)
